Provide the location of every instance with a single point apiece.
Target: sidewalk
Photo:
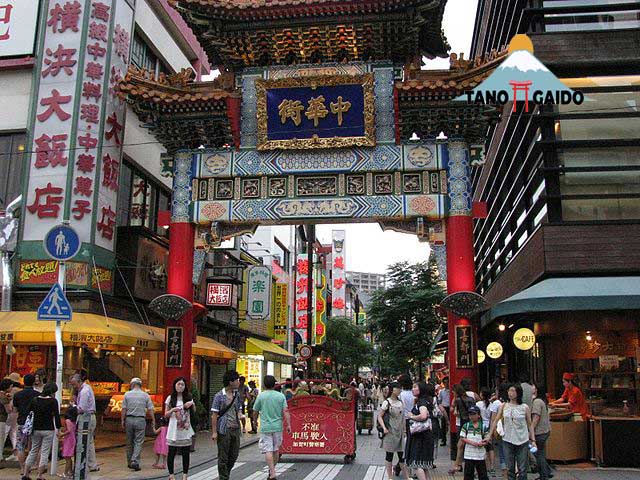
(113, 463)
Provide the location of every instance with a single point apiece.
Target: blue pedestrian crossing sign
(62, 243)
(55, 306)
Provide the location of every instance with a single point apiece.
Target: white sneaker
(11, 458)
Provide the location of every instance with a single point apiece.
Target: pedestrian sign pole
(61, 243)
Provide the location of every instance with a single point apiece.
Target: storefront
(588, 328)
(262, 358)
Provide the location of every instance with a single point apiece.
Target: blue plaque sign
(316, 112)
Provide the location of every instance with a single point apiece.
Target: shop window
(603, 18)
(141, 200)
(12, 146)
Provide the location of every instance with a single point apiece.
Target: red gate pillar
(460, 261)
(180, 271)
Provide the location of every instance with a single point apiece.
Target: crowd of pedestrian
(501, 432)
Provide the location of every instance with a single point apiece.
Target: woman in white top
(518, 432)
(179, 409)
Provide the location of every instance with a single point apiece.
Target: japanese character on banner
(92, 90)
(110, 172)
(339, 304)
(86, 163)
(87, 141)
(100, 11)
(47, 202)
(94, 71)
(62, 18)
(338, 283)
(50, 151)
(302, 304)
(115, 129)
(90, 113)
(98, 31)
(338, 263)
(61, 60)
(107, 223)
(80, 209)
(83, 186)
(96, 50)
(303, 267)
(121, 43)
(114, 80)
(302, 285)
(5, 18)
(53, 104)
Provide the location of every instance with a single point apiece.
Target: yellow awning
(206, 347)
(270, 351)
(85, 328)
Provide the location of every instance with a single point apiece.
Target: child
(473, 435)
(68, 437)
(160, 446)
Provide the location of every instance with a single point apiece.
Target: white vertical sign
(52, 128)
(113, 135)
(338, 275)
(259, 292)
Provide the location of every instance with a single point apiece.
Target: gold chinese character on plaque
(316, 110)
(291, 109)
(339, 108)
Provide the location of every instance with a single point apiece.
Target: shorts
(23, 440)
(270, 442)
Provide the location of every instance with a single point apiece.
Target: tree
(404, 319)
(347, 346)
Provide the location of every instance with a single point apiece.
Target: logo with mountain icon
(522, 78)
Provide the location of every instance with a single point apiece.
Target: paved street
(250, 466)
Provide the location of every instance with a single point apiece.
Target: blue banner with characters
(320, 112)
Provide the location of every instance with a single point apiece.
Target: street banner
(338, 268)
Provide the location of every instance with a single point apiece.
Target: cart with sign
(322, 424)
(365, 418)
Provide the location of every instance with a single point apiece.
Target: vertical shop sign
(259, 292)
(339, 287)
(78, 121)
(300, 313)
(174, 343)
(280, 312)
(52, 127)
(320, 326)
(18, 26)
(464, 346)
(112, 138)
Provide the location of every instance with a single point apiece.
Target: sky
(369, 249)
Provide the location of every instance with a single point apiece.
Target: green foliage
(403, 317)
(347, 346)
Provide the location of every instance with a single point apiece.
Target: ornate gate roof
(242, 33)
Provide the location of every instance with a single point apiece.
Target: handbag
(384, 414)
(419, 427)
(27, 428)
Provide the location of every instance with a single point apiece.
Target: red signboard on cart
(320, 425)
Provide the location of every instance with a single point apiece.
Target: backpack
(466, 402)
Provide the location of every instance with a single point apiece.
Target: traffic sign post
(61, 243)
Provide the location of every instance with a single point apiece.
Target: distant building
(367, 282)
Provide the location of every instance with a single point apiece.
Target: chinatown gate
(314, 119)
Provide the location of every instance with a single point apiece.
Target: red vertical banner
(338, 274)
(300, 314)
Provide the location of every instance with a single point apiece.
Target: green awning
(562, 294)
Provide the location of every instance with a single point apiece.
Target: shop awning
(85, 328)
(208, 347)
(562, 294)
(270, 351)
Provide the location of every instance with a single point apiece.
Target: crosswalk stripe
(261, 475)
(374, 473)
(325, 471)
(211, 473)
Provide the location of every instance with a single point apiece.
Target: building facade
(559, 252)
(367, 282)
